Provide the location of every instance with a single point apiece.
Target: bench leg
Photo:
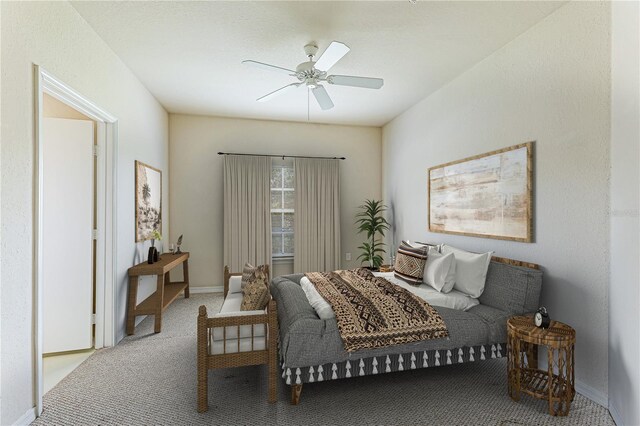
(296, 390)
(273, 379)
(203, 391)
(203, 368)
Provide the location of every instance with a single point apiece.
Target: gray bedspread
(307, 340)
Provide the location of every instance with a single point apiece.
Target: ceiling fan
(312, 73)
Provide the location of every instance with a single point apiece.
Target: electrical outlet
(347, 256)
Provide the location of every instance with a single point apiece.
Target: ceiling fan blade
(349, 80)
(268, 67)
(278, 92)
(331, 55)
(322, 97)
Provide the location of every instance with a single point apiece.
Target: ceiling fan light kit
(311, 73)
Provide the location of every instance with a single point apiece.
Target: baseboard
(26, 419)
(617, 419)
(214, 289)
(593, 394)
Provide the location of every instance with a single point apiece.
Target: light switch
(347, 256)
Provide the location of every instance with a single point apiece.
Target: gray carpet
(151, 379)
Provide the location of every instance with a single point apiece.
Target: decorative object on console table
(488, 195)
(151, 257)
(166, 290)
(178, 244)
(557, 383)
(148, 201)
(372, 221)
(154, 255)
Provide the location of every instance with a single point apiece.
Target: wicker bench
(235, 338)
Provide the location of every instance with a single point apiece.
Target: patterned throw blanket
(373, 313)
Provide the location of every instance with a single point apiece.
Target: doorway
(75, 143)
(69, 200)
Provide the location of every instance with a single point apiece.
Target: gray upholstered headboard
(512, 286)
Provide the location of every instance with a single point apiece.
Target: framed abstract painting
(487, 195)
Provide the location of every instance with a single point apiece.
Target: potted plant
(372, 221)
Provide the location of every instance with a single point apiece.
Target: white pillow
(453, 300)
(235, 284)
(437, 270)
(471, 270)
(321, 306)
(417, 244)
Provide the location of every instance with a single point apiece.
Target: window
(282, 211)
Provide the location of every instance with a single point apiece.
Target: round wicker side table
(557, 383)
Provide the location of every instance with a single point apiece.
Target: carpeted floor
(151, 379)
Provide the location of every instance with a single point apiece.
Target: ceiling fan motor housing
(306, 72)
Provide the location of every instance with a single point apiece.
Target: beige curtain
(247, 211)
(317, 215)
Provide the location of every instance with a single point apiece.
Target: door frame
(106, 209)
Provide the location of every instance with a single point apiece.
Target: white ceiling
(188, 54)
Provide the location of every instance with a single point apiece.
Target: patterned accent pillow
(255, 295)
(247, 271)
(410, 263)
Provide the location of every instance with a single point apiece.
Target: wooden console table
(166, 291)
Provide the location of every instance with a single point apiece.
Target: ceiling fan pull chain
(308, 119)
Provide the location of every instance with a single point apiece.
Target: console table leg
(185, 269)
(131, 305)
(159, 300)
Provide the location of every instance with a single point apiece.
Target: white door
(67, 234)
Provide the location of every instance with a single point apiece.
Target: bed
(311, 349)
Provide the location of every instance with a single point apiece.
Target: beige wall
(53, 35)
(551, 85)
(51, 107)
(196, 176)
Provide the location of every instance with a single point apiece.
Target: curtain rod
(281, 156)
